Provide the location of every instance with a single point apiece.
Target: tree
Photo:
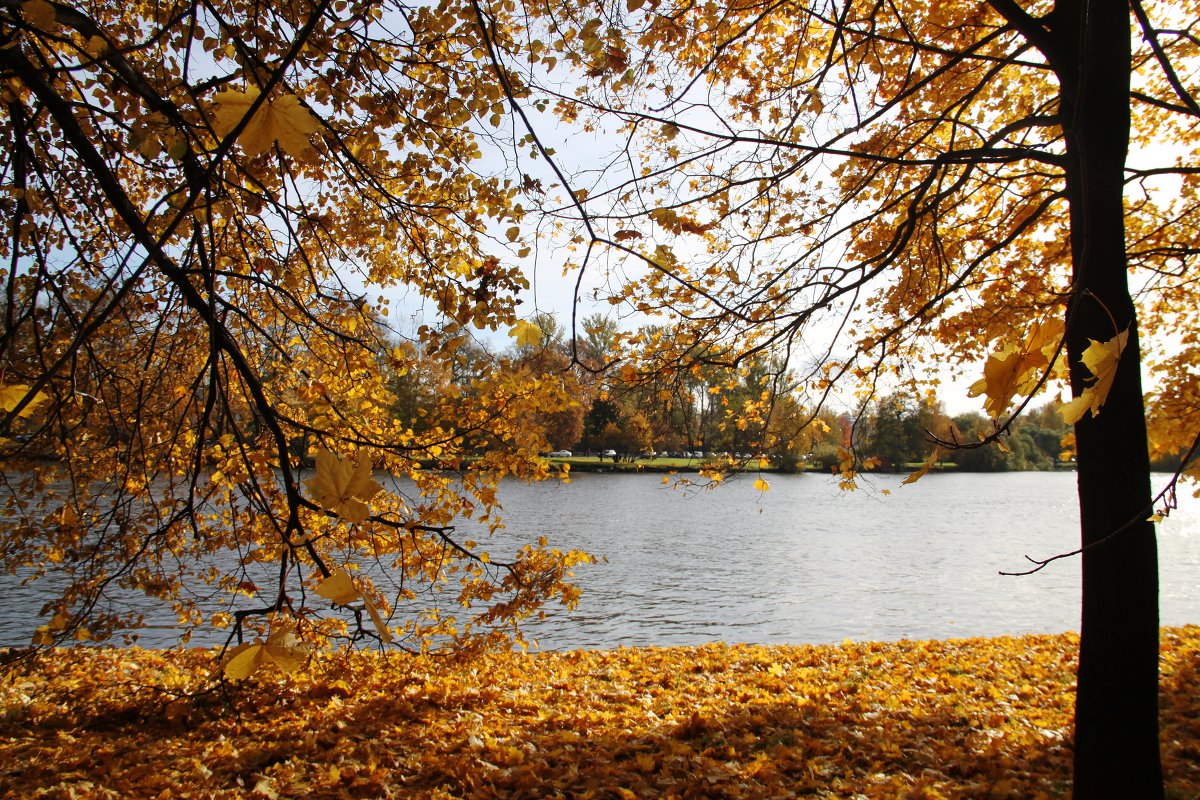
(1034, 441)
(597, 348)
(898, 429)
(544, 358)
(905, 187)
(196, 196)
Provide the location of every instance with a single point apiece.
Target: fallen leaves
(987, 718)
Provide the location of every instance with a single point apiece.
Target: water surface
(804, 562)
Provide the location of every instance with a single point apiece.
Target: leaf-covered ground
(980, 718)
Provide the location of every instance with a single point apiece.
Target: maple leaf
(343, 486)
(762, 485)
(933, 458)
(664, 257)
(527, 333)
(341, 590)
(282, 648)
(1015, 368)
(12, 394)
(40, 13)
(282, 120)
(1101, 359)
(286, 650)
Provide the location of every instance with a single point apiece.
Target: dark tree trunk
(1116, 715)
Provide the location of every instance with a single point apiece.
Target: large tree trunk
(1116, 715)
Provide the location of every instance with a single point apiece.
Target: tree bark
(1116, 715)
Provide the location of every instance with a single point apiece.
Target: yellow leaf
(1101, 359)
(343, 486)
(283, 119)
(242, 661)
(341, 589)
(664, 257)
(762, 485)
(285, 649)
(377, 619)
(527, 334)
(1015, 368)
(13, 394)
(263, 788)
(934, 457)
(39, 13)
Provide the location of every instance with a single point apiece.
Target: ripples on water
(805, 562)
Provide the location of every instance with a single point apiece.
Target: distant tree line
(755, 409)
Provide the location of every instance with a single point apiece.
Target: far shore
(585, 463)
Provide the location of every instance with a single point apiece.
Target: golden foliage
(192, 311)
(977, 718)
(13, 395)
(1101, 359)
(343, 486)
(281, 120)
(526, 333)
(1015, 369)
(342, 590)
(282, 648)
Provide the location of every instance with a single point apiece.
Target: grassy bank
(686, 465)
(981, 718)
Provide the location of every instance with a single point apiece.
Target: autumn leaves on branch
(212, 208)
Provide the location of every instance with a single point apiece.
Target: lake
(804, 562)
(807, 562)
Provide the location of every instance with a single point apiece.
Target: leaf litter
(977, 718)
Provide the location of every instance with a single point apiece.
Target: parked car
(561, 454)
(608, 453)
